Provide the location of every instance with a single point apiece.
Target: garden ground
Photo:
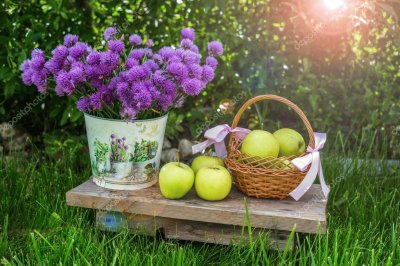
(37, 228)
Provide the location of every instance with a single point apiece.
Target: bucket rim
(124, 121)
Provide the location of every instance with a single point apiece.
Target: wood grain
(199, 231)
(307, 214)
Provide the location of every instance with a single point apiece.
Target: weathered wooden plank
(308, 214)
(197, 231)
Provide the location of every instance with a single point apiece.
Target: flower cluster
(118, 149)
(107, 82)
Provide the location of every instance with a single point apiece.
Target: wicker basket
(264, 177)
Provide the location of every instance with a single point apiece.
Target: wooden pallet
(197, 220)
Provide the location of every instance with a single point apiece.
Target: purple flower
(78, 50)
(195, 71)
(145, 79)
(125, 147)
(40, 80)
(116, 46)
(148, 52)
(96, 101)
(165, 101)
(110, 33)
(63, 81)
(187, 33)
(136, 73)
(190, 57)
(142, 98)
(59, 91)
(54, 66)
(113, 136)
(25, 65)
(149, 43)
(175, 59)
(215, 48)
(96, 83)
(70, 40)
(211, 62)
(208, 74)
(27, 77)
(37, 63)
(179, 103)
(135, 39)
(83, 104)
(178, 70)
(137, 54)
(122, 87)
(131, 62)
(128, 113)
(37, 53)
(158, 59)
(166, 52)
(124, 138)
(77, 75)
(158, 77)
(179, 53)
(119, 140)
(109, 58)
(194, 48)
(151, 65)
(191, 86)
(169, 87)
(60, 52)
(152, 90)
(186, 44)
(93, 58)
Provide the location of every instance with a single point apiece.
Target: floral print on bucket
(125, 155)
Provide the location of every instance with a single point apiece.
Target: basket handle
(278, 99)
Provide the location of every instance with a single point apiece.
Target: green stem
(111, 110)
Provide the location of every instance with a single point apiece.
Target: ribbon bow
(216, 136)
(314, 159)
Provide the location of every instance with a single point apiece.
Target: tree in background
(341, 68)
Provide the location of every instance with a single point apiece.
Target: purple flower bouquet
(125, 90)
(127, 80)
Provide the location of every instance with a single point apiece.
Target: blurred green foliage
(347, 81)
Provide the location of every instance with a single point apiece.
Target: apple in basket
(175, 179)
(290, 141)
(260, 143)
(203, 161)
(213, 183)
(284, 164)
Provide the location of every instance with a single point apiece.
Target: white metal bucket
(125, 155)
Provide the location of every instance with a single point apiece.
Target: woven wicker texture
(265, 177)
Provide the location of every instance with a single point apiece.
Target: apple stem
(177, 156)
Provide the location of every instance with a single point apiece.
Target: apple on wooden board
(290, 141)
(213, 183)
(175, 179)
(203, 160)
(260, 143)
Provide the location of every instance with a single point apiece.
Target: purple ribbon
(216, 136)
(314, 159)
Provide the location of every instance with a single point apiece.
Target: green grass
(37, 228)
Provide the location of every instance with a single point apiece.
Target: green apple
(284, 165)
(176, 179)
(260, 143)
(203, 160)
(213, 183)
(290, 142)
